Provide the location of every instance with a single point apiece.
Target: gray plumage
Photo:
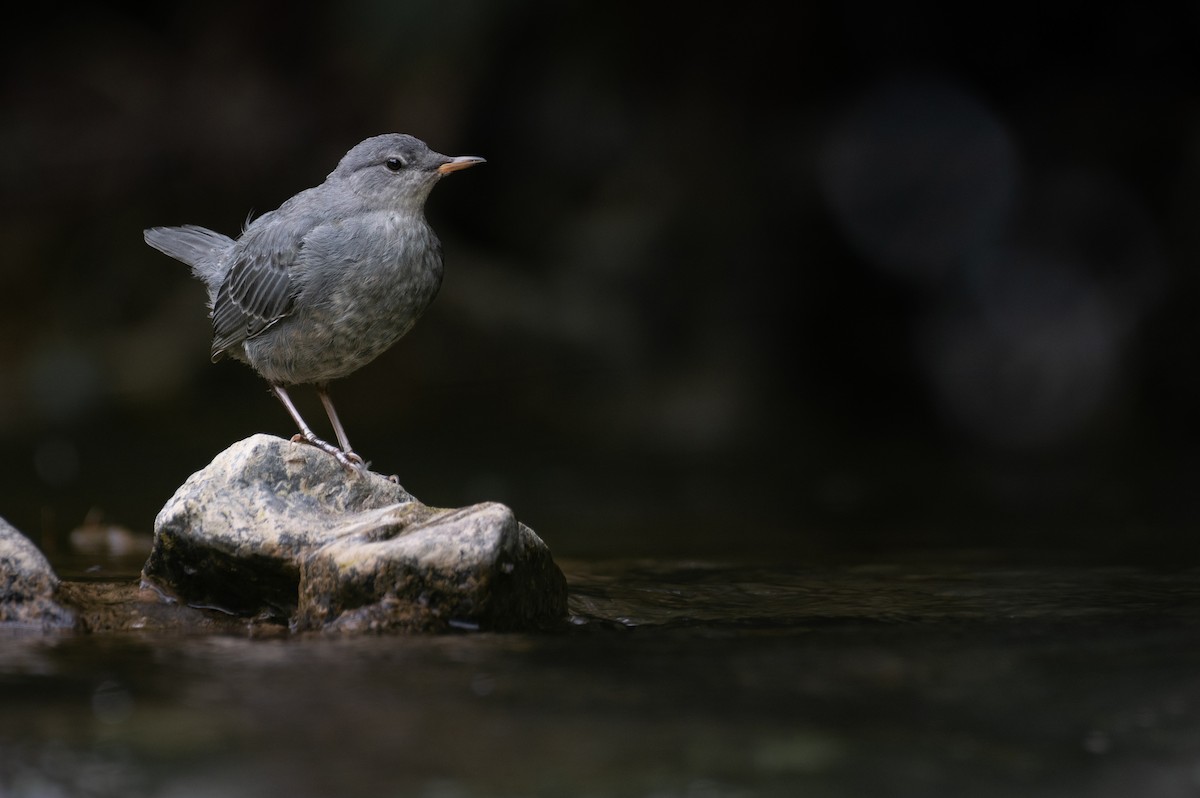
(321, 286)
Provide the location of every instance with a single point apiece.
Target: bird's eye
(395, 164)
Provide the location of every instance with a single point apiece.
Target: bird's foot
(349, 459)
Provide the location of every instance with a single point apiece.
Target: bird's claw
(350, 460)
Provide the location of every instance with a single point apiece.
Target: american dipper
(321, 286)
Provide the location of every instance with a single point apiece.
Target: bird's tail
(202, 249)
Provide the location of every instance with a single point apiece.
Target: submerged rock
(27, 584)
(278, 529)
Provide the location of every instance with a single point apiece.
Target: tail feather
(198, 247)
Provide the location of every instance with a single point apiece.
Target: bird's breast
(366, 299)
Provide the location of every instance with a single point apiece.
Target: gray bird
(321, 286)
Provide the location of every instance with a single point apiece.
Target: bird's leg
(338, 429)
(348, 459)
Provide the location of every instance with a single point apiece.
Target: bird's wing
(257, 292)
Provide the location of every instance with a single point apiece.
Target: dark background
(731, 283)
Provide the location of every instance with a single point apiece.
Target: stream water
(949, 675)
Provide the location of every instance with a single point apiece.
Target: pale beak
(459, 162)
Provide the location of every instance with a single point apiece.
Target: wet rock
(104, 607)
(233, 534)
(27, 584)
(415, 567)
(280, 530)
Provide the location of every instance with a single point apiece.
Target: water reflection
(941, 677)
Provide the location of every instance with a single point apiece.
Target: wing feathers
(257, 292)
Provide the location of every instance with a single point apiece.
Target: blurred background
(730, 284)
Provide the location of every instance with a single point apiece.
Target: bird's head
(396, 170)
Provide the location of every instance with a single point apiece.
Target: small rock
(281, 529)
(95, 537)
(415, 567)
(233, 534)
(27, 584)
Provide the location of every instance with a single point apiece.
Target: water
(949, 675)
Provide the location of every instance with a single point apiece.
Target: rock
(27, 584)
(278, 529)
(416, 567)
(104, 607)
(234, 533)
